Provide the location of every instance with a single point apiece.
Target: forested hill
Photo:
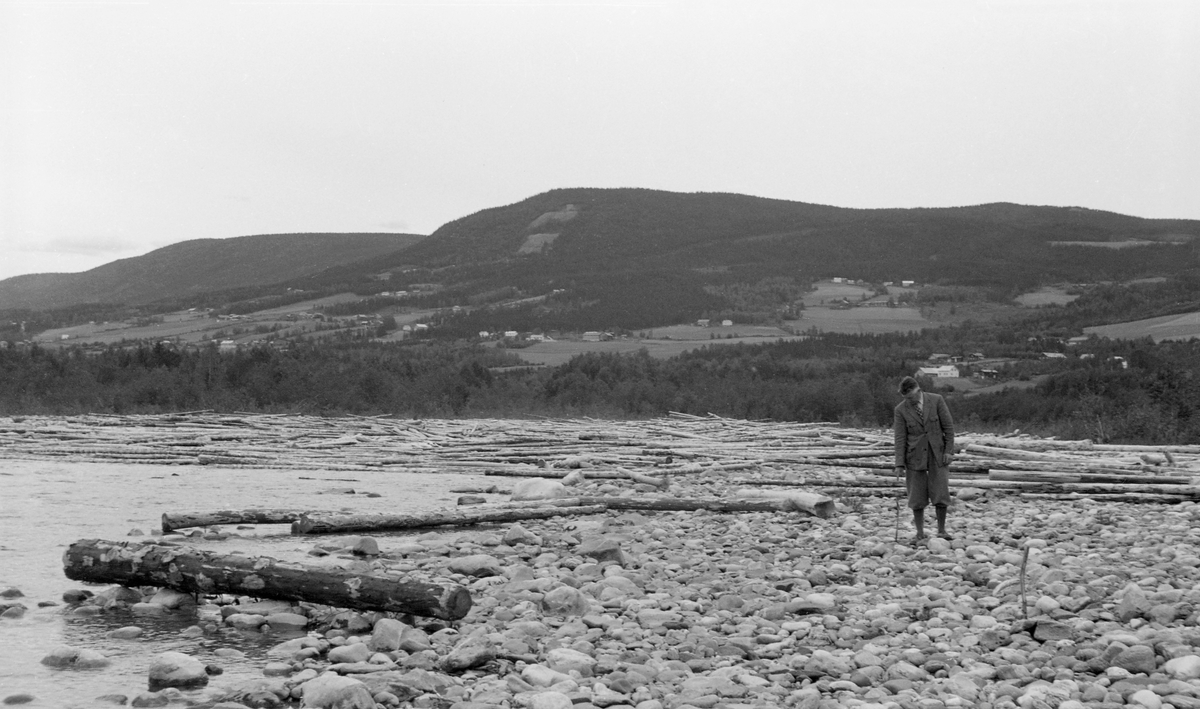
(199, 266)
(637, 258)
(569, 231)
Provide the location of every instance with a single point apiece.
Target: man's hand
(899, 469)
(946, 458)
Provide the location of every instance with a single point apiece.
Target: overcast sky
(126, 126)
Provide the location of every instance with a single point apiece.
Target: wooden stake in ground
(1024, 602)
(195, 571)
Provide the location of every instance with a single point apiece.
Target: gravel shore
(698, 609)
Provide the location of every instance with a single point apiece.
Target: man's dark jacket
(916, 434)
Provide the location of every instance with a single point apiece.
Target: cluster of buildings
(945, 366)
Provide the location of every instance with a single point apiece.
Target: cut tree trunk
(184, 520)
(340, 524)
(1047, 477)
(811, 503)
(661, 483)
(817, 505)
(196, 571)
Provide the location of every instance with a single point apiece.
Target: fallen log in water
(339, 523)
(184, 520)
(195, 571)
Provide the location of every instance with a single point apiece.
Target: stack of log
(710, 448)
(721, 465)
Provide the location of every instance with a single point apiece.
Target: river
(45, 506)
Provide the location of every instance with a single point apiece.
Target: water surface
(45, 506)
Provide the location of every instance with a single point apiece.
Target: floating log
(196, 571)
(341, 524)
(184, 520)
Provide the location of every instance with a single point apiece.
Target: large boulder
(517, 534)
(602, 549)
(385, 637)
(1139, 658)
(354, 652)
(479, 565)
(471, 651)
(1186, 667)
(287, 620)
(565, 601)
(414, 640)
(65, 656)
(1133, 604)
(565, 659)
(175, 669)
(172, 599)
(333, 691)
(539, 489)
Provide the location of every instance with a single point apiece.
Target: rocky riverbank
(698, 609)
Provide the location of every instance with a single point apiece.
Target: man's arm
(900, 429)
(947, 430)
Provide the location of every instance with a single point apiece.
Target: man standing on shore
(924, 446)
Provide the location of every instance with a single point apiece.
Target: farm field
(696, 332)
(188, 327)
(1049, 295)
(828, 291)
(193, 327)
(861, 320)
(1166, 327)
(561, 351)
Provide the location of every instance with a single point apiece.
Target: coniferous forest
(845, 378)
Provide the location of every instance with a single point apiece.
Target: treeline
(844, 378)
(422, 379)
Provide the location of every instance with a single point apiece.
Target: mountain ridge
(629, 245)
(199, 266)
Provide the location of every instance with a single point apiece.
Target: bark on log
(341, 524)
(196, 571)
(183, 520)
